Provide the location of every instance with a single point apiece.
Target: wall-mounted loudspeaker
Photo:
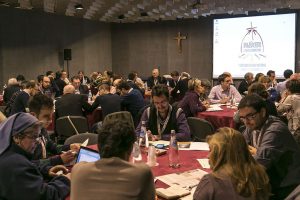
(67, 54)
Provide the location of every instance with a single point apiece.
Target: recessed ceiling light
(78, 7)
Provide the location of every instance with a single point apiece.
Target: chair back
(122, 116)
(294, 195)
(93, 138)
(71, 125)
(199, 128)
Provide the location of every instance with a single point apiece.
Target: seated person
(191, 103)
(71, 104)
(223, 92)
(109, 102)
(273, 94)
(258, 88)
(245, 83)
(20, 178)
(181, 87)
(271, 144)
(113, 177)
(20, 103)
(235, 174)
(41, 107)
(131, 100)
(155, 79)
(161, 118)
(291, 105)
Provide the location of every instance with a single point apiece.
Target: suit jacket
(71, 104)
(180, 89)
(9, 91)
(160, 80)
(243, 87)
(113, 179)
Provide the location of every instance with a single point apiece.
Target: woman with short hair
(191, 103)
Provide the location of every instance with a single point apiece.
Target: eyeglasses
(249, 117)
(33, 137)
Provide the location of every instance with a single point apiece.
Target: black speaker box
(67, 54)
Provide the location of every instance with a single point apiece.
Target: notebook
(87, 155)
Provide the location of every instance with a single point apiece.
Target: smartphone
(160, 146)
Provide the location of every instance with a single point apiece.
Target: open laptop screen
(88, 155)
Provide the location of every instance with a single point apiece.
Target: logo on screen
(252, 44)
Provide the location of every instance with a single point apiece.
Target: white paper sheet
(85, 143)
(185, 180)
(197, 146)
(204, 163)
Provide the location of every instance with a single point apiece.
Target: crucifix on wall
(179, 38)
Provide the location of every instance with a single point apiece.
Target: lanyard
(160, 131)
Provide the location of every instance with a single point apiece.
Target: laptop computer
(87, 155)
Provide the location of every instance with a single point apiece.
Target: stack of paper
(214, 107)
(173, 192)
(188, 179)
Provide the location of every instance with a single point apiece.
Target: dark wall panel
(32, 43)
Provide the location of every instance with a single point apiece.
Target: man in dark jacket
(131, 100)
(71, 104)
(271, 144)
(155, 79)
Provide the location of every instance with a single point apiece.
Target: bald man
(69, 89)
(155, 79)
(72, 104)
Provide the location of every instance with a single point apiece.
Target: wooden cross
(179, 38)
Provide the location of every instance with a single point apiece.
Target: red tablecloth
(188, 161)
(219, 118)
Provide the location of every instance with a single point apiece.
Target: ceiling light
(78, 7)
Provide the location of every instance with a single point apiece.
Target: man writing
(271, 144)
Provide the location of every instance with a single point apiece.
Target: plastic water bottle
(90, 96)
(136, 153)
(232, 101)
(173, 151)
(143, 134)
(4, 87)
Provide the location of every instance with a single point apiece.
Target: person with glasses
(191, 103)
(20, 178)
(271, 144)
(47, 151)
(224, 91)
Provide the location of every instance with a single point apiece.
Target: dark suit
(180, 89)
(160, 80)
(109, 103)
(243, 87)
(172, 83)
(71, 104)
(9, 91)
